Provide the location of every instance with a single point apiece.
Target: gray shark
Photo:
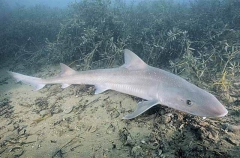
(136, 78)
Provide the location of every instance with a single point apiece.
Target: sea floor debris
(86, 123)
(199, 42)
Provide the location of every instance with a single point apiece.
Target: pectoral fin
(141, 108)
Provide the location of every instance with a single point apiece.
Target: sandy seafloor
(73, 122)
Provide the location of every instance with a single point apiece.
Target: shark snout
(212, 107)
(222, 112)
(217, 111)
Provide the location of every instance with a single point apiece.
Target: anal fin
(64, 85)
(141, 108)
(101, 88)
(39, 86)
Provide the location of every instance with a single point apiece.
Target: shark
(155, 86)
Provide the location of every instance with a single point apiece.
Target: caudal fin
(33, 81)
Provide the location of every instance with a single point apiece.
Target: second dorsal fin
(132, 61)
(66, 70)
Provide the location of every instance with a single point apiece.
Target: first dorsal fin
(66, 70)
(132, 61)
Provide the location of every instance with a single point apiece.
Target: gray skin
(137, 78)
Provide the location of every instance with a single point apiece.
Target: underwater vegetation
(199, 41)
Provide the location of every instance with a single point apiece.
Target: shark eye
(189, 102)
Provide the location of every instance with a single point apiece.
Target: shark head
(205, 104)
(196, 101)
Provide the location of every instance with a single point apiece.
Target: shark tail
(37, 83)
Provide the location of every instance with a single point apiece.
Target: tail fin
(33, 81)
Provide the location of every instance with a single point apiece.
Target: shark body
(137, 78)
